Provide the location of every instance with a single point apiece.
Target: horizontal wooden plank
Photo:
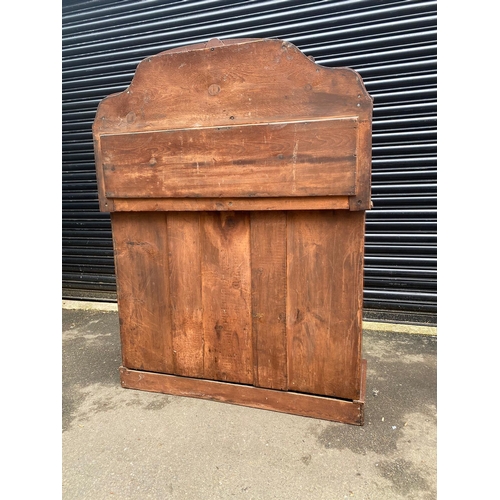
(228, 204)
(305, 158)
(337, 410)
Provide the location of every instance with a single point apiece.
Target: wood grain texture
(238, 174)
(324, 259)
(226, 296)
(362, 199)
(315, 158)
(230, 204)
(240, 83)
(332, 409)
(268, 260)
(185, 300)
(256, 82)
(141, 258)
(270, 299)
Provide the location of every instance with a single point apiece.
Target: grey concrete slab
(125, 444)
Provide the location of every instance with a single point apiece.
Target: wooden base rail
(306, 405)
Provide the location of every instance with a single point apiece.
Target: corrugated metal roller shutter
(392, 44)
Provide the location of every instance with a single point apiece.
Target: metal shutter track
(391, 44)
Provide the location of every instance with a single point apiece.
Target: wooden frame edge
(294, 403)
(362, 391)
(229, 204)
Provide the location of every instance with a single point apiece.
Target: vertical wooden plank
(185, 292)
(140, 244)
(362, 199)
(268, 257)
(227, 322)
(324, 294)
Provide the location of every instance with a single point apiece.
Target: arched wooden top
(235, 119)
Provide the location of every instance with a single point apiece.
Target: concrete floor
(125, 444)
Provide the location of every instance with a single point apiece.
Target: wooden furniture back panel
(237, 174)
(257, 298)
(315, 158)
(239, 118)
